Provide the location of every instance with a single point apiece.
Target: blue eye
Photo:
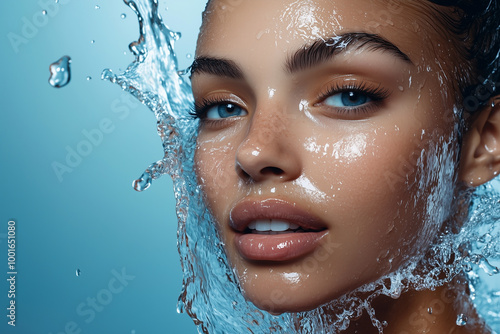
(225, 110)
(347, 99)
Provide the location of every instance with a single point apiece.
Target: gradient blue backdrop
(92, 219)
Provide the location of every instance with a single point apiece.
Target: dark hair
(476, 23)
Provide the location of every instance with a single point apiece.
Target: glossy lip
(275, 247)
(247, 211)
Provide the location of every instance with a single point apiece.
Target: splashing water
(210, 293)
(60, 73)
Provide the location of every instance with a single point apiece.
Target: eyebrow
(216, 66)
(321, 51)
(306, 57)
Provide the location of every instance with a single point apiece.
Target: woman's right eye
(224, 110)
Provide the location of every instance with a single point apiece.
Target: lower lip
(277, 247)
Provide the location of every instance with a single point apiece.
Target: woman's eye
(225, 110)
(348, 99)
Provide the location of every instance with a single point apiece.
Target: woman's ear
(480, 160)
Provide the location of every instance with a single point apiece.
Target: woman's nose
(269, 150)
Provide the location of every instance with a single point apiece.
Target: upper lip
(246, 211)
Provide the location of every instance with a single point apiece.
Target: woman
(339, 141)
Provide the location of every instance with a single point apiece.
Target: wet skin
(358, 137)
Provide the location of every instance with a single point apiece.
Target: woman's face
(327, 146)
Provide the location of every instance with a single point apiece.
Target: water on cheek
(211, 293)
(309, 190)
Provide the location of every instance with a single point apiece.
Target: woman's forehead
(285, 26)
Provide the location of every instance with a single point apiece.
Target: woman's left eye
(225, 110)
(347, 99)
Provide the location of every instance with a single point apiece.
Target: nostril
(272, 171)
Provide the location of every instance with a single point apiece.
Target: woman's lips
(274, 230)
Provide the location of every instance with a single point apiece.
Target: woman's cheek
(215, 168)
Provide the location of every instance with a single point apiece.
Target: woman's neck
(429, 312)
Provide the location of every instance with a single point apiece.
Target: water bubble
(89, 78)
(60, 73)
(44, 12)
(143, 182)
(123, 16)
(189, 56)
(78, 272)
(92, 41)
(461, 320)
(56, 1)
(97, 7)
(182, 72)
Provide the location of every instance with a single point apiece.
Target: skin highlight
(368, 173)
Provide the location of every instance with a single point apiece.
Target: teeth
(272, 225)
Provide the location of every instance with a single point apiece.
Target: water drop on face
(97, 7)
(143, 182)
(60, 73)
(78, 272)
(461, 320)
(44, 12)
(123, 16)
(429, 310)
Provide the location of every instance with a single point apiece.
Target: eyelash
(199, 110)
(377, 95)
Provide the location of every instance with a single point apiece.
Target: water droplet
(429, 310)
(461, 320)
(56, 1)
(78, 272)
(488, 267)
(189, 56)
(92, 41)
(97, 7)
(123, 16)
(401, 88)
(89, 78)
(60, 74)
(143, 182)
(44, 12)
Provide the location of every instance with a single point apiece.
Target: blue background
(91, 219)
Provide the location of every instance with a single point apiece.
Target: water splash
(60, 73)
(461, 320)
(210, 293)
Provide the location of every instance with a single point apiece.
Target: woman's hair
(476, 23)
